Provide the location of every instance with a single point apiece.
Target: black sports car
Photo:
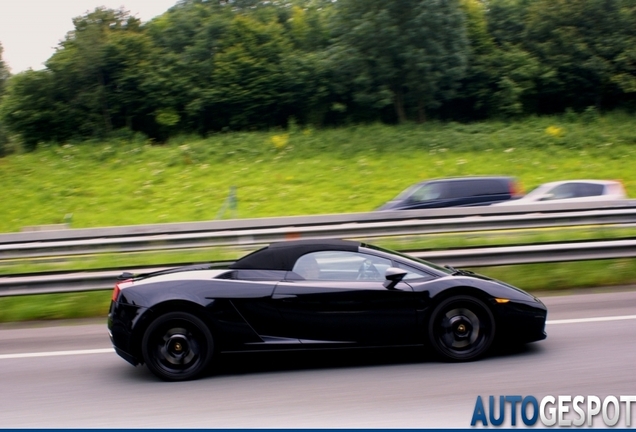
(314, 294)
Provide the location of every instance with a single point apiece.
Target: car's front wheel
(177, 346)
(461, 328)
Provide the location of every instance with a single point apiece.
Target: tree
(248, 75)
(589, 45)
(408, 53)
(241, 67)
(179, 79)
(507, 20)
(4, 76)
(29, 108)
(85, 67)
(92, 84)
(4, 72)
(501, 76)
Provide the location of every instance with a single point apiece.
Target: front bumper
(522, 322)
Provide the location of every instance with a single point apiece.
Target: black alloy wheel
(177, 346)
(461, 328)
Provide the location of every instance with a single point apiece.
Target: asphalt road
(67, 376)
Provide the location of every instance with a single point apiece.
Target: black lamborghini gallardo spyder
(314, 294)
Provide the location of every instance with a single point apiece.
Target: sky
(30, 30)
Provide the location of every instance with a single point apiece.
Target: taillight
(116, 292)
(618, 189)
(516, 190)
(117, 289)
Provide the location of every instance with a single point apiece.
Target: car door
(346, 302)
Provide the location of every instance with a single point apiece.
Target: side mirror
(393, 276)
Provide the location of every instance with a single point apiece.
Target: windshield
(411, 259)
(424, 192)
(539, 191)
(407, 193)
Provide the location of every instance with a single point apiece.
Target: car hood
(513, 292)
(391, 205)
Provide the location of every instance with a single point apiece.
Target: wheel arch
(461, 290)
(175, 305)
(480, 294)
(459, 352)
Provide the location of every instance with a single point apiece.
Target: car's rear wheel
(177, 346)
(461, 328)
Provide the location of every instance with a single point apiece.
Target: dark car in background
(456, 192)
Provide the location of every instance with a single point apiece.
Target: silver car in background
(569, 191)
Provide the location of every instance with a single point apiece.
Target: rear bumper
(129, 358)
(121, 325)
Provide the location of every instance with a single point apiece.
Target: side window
(478, 187)
(563, 191)
(492, 187)
(307, 267)
(589, 189)
(458, 189)
(413, 273)
(428, 192)
(341, 265)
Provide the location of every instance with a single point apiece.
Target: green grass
(301, 172)
(317, 172)
(55, 306)
(557, 277)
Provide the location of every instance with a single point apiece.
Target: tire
(461, 328)
(177, 346)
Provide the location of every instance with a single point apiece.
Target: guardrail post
(231, 203)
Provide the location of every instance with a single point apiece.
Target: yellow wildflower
(280, 141)
(554, 131)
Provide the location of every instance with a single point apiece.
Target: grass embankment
(298, 172)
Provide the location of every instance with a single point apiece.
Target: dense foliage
(4, 75)
(220, 65)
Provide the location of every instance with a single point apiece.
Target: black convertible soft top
(283, 255)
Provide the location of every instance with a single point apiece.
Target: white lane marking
(111, 350)
(597, 319)
(56, 353)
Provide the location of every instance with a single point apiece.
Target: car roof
(453, 179)
(283, 255)
(603, 182)
(547, 186)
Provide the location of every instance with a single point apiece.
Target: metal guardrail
(253, 232)
(558, 211)
(473, 257)
(240, 232)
